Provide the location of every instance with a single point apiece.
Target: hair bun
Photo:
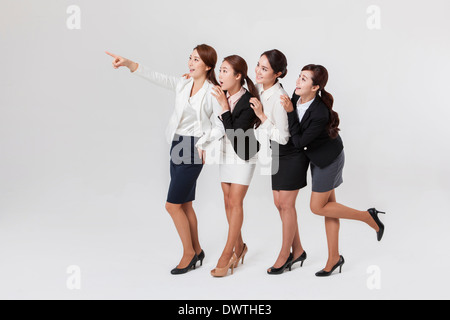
(283, 74)
(277, 61)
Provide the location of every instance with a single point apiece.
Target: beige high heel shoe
(242, 256)
(222, 272)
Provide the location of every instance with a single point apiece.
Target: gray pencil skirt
(330, 177)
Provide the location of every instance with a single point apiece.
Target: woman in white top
(289, 164)
(191, 131)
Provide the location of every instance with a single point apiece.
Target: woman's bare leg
(324, 204)
(193, 225)
(226, 187)
(321, 206)
(182, 225)
(236, 218)
(285, 202)
(332, 226)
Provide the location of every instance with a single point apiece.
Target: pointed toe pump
(280, 270)
(339, 265)
(374, 214)
(191, 265)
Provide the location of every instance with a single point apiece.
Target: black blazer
(239, 128)
(311, 133)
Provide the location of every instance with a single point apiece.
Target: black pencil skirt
(289, 167)
(185, 168)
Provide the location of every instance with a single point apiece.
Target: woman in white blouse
(289, 164)
(192, 129)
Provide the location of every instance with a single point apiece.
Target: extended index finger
(111, 54)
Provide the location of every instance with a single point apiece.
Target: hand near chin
(219, 94)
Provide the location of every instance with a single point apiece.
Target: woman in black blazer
(314, 128)
(238, 154)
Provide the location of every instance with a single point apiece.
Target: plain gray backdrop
(84, 165)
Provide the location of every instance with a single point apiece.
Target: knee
(187, 207)
(277, 205)
(171, 208)
(316, 209)
(234, 203)
(284, 206)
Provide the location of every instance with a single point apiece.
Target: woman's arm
(157, 78)
(301, 140)
(278, 130)
(217, 128)
(242, 137)
(122, 62)
(244, 121)
(165, 81)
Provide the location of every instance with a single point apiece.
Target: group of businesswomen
(302, 131)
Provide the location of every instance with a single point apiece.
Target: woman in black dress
(289, 164)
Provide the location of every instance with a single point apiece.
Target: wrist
(133, 66)
(263, 118)
(225, 106)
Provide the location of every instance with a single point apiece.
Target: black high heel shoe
(201, 256)
(339, 265)
(280, 270)
(189, 267)
(301, 259)
(374, 214)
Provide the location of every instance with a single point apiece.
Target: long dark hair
(209, 56)
(240, 67)
(320, 78)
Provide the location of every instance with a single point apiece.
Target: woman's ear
(315, 88)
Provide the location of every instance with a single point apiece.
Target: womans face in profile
(305, 85)
(228, 79)
(264, 72)
(197, 68)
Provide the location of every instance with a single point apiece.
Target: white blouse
(276, 127)
(187, 126)
(302, 108)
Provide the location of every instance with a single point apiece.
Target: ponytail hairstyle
(277, 61)
(240, 67)
(320, 78)
(209, 56)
